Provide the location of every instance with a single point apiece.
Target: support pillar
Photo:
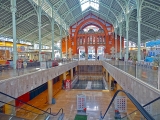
(64, 76)
(139, 39)
(139, 4)
(107, 76)
(127, 31)
(13, 10)
(53, 55)
(10, 110)
(109, 81)
(120, 51)
(39, 31)
(60, 42)
(66, 47)
(86, 48)
(103, 69)
(96, 47)
(72, 74)
(50, 91)
(96, 52)
(69, 47)
(115, 43)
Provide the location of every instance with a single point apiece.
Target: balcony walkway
(145, 74)
(9, 73)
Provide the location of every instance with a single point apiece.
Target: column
(96, 47)
(120, 30)
(53, 55)
(115, 43)
(107, 76)
(60, 42)
(10, 110)
(72, 74)
(50, 91)
(64, 76)
(86, 48)
(110, 81)
(120, 51)
(70, 50)
(96, 52)
(127, 30)
(139, 29)
(103, 69)
(13, 10)
(39, 31)
(66, 47)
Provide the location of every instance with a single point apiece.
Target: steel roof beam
(155, 27)
(142, 33)
(64, 2)
(21, 19)
(98, 11)
(7, 8)
(60, 1)
(34, 30)
(105, 6)
(108, 10)
(54, 10)
(151, 6)
(47, 34)
(93, 11)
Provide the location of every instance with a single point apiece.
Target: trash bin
(53, 101)
(117, 115)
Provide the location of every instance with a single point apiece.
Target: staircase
(39, 117)
(26, 111)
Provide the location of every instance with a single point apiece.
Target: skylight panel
(89, 3)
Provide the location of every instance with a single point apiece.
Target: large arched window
(86, 29)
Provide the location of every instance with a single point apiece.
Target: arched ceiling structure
(69, 12)
(90, 23)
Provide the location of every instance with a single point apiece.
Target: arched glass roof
(89, 3)
(69, 12)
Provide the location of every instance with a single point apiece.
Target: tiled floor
(96, 101)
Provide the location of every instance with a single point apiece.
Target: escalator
(26, 111)
(150, 111)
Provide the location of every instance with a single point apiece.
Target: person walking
(98, 57)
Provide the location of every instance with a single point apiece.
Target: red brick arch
(84, 22)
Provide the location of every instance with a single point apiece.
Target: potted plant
(156, 62)
(134, 59)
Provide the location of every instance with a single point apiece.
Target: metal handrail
(34, 112)
(32, 105)
(134, 101)
(144, 106)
